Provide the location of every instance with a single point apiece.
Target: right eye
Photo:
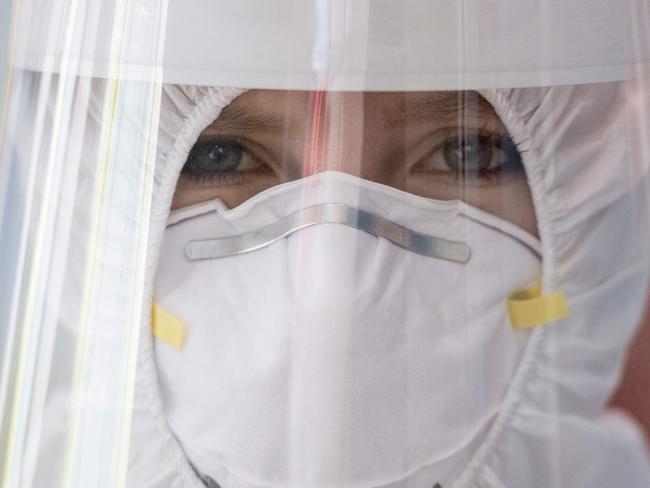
(215, 159)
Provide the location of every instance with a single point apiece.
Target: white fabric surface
(333, 357)
(589, 182)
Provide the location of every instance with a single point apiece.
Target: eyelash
(502, 142)
(201, 176)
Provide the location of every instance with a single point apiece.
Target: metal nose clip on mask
(329, 213)
(329, 356)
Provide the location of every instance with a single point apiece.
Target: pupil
(467, 156)
(224, 157)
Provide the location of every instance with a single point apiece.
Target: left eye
(218, 157)
(473, 154)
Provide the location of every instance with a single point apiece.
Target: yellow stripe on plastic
(529, 308)
(167, 327)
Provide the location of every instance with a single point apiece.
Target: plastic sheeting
(106, 102)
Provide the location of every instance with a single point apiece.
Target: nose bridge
(336, 136)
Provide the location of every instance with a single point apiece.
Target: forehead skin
(276, 110)
(373, 135)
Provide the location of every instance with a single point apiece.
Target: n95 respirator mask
(339, 334)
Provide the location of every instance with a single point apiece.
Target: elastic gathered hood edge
(538, 395)
(148, 403)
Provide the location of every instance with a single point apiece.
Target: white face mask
(332, 357)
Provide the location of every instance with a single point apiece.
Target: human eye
(472, 154)
(222, 160)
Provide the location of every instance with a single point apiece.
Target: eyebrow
(457, 105)
(237, 118)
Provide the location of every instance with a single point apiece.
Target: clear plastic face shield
(322, 244)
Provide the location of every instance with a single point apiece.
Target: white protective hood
(552, 430)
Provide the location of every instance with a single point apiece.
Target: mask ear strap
(529, 308)
(167, 327)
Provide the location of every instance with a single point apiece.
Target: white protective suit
(103, 128)
(550, 429)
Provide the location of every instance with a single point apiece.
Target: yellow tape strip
(167, 328)
(529, 308)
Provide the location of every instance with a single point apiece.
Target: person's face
(440, 145)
